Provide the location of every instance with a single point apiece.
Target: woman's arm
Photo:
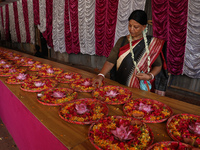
(106, 68)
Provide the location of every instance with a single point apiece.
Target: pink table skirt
(27, 131)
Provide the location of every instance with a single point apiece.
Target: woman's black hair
(140, 16)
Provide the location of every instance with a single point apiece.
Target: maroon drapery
(36, 12)
(7, 24)
(71, 27)
(26, 21)
(170, 23)
(105, 24)
(16, 22)
(49, 14)
(2, 17)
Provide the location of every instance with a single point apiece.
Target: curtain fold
(7, 23)
(170, 23)
(58, 33)
(47, 34)
(86, 20)
(16, 22)
(191, 66)
(26, 20)
(31, 21)
(36, 12)
(3, 34)
(105, 23)
(21, 21)
(12, 23)
(71, 27)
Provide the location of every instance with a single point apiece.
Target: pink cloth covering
(27, 131)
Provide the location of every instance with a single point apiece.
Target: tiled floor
(7, 143)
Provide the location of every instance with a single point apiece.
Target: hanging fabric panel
(105, 24)
(176, 26)
(192, 52)
(58, 33)
(71, 27)
(86, 20)
(31, 21)
(16, 22)
(12, 23)
(21, 21)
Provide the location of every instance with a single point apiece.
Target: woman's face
(135, 29)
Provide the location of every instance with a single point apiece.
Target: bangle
(152, 76)
(100, 74)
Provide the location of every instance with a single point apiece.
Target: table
(36, 126)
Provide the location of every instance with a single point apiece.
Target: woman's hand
(143, 76)
(97, 81)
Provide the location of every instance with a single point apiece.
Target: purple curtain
(16, 22)
(170, 23)
(48, 33)
(26, 21)
(71, 27)
(36, 12)
(7, 24)
(105, 24)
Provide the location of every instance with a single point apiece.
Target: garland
(146, 47)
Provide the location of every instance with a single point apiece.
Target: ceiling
(4, 2)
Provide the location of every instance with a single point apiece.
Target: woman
(136, 56)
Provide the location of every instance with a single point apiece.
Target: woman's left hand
(143, 76)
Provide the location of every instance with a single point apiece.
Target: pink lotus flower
(22, 59)
(195, 128)
(38, 84)
(68, 76)
(111, 94)
(38, 66)
(86, 83)
(49, 70)
(12, 70)
(122, 133)
(81, 108)
(2, 62)
(39, 94)
(16, 57)
(58, 94)
(6, 66)
(30, 62)
(144, 107)
(21, 76)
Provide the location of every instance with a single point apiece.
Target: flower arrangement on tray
(3, 62)
(20, 78)
(6, 67)
(56, 96)
(148, 110)
(83, 85)
(38, 67)
(113, 95)
(38, 85)
(83, 111)
(11, 72)
(68, 77)
(185, 128)
(28, 63)
(170, 145)
(22, 61)
(120, 132)
(50, 72)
